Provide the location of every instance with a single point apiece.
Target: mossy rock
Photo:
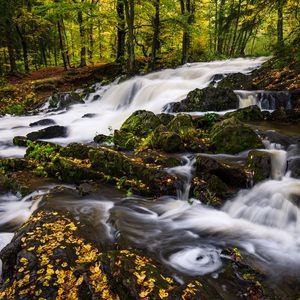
(102, 138)
(259, 165)
(75, 150)
(48, 133)
(165, 118)
(237, 81)
(231, 173)
(20, 141)
(163, 139)
(180, 122)
(247, 114)
(141, 123)
(207, 99)
(232, 136)
(125, 140)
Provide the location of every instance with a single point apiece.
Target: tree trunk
(11, 52)
(121, 32)
(129, 12)
(156, 32)
(220, 26)
(187, 7)
(280, 23)
(62, 44)
(82, 39)
(24, 48)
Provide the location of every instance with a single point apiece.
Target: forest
(76, 33)
(150, 149)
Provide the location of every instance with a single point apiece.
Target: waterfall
(185, 173)
(111, 105)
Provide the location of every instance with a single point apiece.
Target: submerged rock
(207, 99)
(48, 133)
(44, 122)
(232, 136)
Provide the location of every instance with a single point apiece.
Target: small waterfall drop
(185, 173)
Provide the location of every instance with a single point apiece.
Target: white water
(188, 236)
(151, 92)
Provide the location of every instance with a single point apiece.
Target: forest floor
(32, 88)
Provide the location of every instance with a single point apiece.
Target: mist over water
(184, 234)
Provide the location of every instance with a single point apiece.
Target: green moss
(231, 136)
(141, 123)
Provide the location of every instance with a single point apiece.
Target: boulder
(232, 136)
(259, 165)
(20, 141)
(141, 123)
(48, 133)
(230, 173)
(53, 257)
(236, 81)
(124, 140)
(274, 100)
(165, 119)
(207, 99)
(64, 100)
(44, 122)
(102, 138)
(163, 139)
(294, 167)
(247, 114)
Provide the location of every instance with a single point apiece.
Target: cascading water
(114, 104)
(185, 173)
(186, 235)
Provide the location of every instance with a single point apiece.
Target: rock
(230, 173)
(141, 123)
(83, 162)
(278, 115)
(135, 173)
(102, 138)
(295, 98)
(75, 150)
(20, 141)
(163, 139)
(271, 136)
(207, 99)
(207, 120)
(41, 259)
(180, 122)
(236, 81)
(275, 100)
(64, 100)
(247, 114)
(124, 140)
(48, 133)
(232, 136)
(294, 167)
(44, 122)
(165, 119)
(89, 116)
(259, 165)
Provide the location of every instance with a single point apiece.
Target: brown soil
(46, 81)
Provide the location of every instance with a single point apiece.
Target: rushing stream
(263, 221)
